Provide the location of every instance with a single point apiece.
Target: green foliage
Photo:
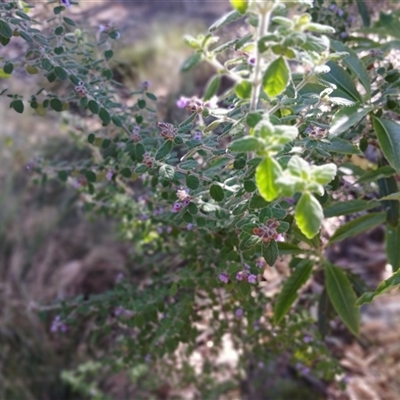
(225, 207)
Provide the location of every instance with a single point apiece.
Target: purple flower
(252, 278)
(183, 102)
(260, 263)
(109, 175)
(246, 266)
(159, 229)
(190, 227)
(251, 61)
(119, 311)
(223, 277)
(57, 325)
(198, 135)
(168, 229)
(65, 3)
(239, 312)
(144, 85)
(119, 277)
(307, 339)
(177, 207)
(240, 275)
(147, 358)
(340, 12)
(344, 35)
(280, 238)
(333, 7)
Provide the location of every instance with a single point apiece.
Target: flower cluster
(167, 131)
(316, 132)
(148, 160)
(57, 325)
(267, 231)
(195, 105)
(80, 90)
(135, 135)
(245, 275)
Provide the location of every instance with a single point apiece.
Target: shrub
(251, 175)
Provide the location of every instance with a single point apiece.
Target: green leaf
(388, 186)
(3, 75)
(381, 172)
(363, 10)
(63, 175)
(270, 252)
(56, 105)
(167, 172)
(226, 19)
(165, 149)
(392, 196)
(5, 29)
(240, 5)
(4, 41)
(69, 21)
(342, 297)
(31, 70)
(116, 121)
(141, 103)
(253, 119)
(354, 64)
(151, 96)
(267, 173)
(104, 116)
(276, 77)
(346, 118)
(340, 146)
(388, 133)
(212, 87)
(192, 182)
(323, 174)
(216, 192)
(288, 294)
(61, 73)
(46, 64)
(91, 176)
(309, 215)
(349, 207)
(18, 106)
(93, 107)
(8, 68)
(342, 80)
(190, 62)
(288, 249)
(126, 173)
(247, 143)
(108, 54)
(392, 241)
(243, 89)
(357, 226)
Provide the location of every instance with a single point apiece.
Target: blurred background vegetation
(51, 248)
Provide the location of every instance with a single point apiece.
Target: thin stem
(262, 28)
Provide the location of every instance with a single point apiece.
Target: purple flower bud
(344, 35)
(280, 238)
(147, 358)
(239, 312)
(252, 278)
(333, 7)
(340, 12)
(168, 229)
(183, 102)
(190, 227)
(246, 266)
(144, 85)
(159, 229)
(251, 61)
(57, 325)
(223, 277)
